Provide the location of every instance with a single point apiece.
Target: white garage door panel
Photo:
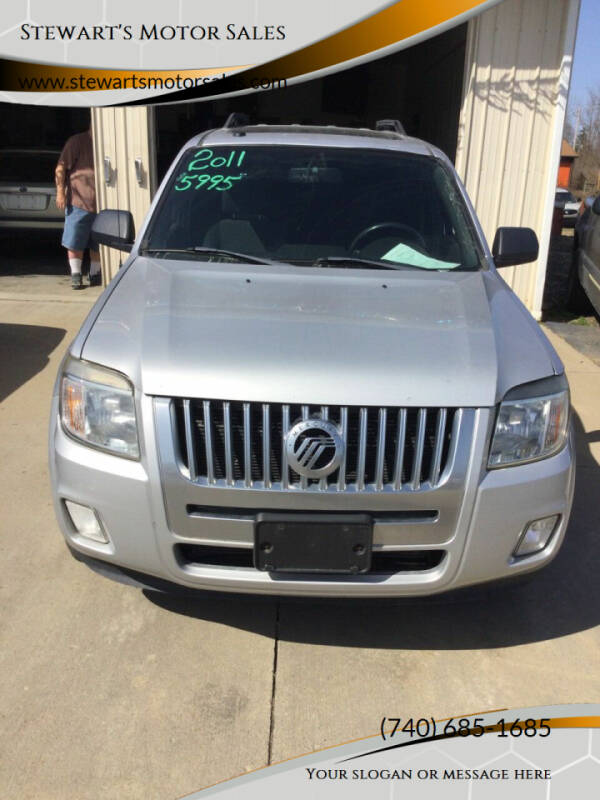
(123, 135)
(513, 106)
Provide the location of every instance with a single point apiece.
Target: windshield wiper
(210, 251)
(351, 261)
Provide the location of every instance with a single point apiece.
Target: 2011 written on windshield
(199, 171)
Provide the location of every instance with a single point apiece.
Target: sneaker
(76, 282)
(95, 280)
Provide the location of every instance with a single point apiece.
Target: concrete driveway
(107, 692)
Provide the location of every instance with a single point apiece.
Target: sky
(586, 63)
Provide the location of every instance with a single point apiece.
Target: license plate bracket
(313, 543)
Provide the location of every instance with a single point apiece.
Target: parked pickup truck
(309, 378)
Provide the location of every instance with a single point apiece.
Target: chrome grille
(241, 445)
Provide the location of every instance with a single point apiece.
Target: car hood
(325, 336)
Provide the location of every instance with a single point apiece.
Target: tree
(585, 125)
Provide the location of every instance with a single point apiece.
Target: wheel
(577, 300)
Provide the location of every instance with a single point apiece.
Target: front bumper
(492, 509)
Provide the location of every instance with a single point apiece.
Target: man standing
(76, 193)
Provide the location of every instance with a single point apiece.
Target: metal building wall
(517, 75)
(122, 135)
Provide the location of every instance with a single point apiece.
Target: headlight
(97, 407)
(532, 423)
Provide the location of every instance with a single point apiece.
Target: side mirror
(514, 246)
(596, 205)
(114, 229)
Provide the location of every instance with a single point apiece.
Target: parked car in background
(309, 378)
(27, 190)
(570, 205)
(584, 277)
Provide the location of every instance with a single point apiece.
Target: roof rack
(393, 125)
(236, 120)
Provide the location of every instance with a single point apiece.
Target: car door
(590, 261)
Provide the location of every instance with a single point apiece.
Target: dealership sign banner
(69, 53)
(546, 752)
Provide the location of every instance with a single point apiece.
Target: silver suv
(309, 378)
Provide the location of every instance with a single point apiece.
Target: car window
(28, 167)
(565, 196)
(299, 203)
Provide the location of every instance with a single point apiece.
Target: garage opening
(31, 138)
(420, 86)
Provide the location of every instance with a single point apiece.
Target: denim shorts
(78, 229)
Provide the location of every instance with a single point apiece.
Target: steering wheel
(399, 226)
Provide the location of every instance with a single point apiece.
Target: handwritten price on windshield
(219, 182)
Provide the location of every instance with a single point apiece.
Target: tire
(577, 299)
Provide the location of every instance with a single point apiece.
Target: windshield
(306, 205)
(565, 197)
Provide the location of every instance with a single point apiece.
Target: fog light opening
(85, 522)
(536, 536)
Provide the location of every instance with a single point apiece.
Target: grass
(563, 315)
(581, 321)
